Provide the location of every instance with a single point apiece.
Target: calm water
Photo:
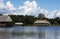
(50, 32)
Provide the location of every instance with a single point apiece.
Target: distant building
(5, 21)
(41, 22)
(18, 23)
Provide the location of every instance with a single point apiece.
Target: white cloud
(6, 8)
(28, 8)
(1, 4)
(32, 8)
(2, 7)
(10, 6)
(6, 14)
(44, 11)
(58, 13)
(54, 14)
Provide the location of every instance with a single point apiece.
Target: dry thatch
(42, 22)
(18, 23)
(5, 19)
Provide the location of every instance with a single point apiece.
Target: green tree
(57, 19)
(0, 14)
(28, 20)
(14, 18)
(20, 18)
(41, 16)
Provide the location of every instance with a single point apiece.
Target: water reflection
(30, 33)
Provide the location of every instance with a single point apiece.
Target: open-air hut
(41, 22)
(5, 21)
(19, 23)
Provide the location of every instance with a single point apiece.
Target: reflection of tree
(41, 34)
(31, 34)
(17, 33)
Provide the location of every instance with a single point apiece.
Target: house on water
(5, 21)
(42, 22)
(19, 23)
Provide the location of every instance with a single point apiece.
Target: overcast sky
(50, 8)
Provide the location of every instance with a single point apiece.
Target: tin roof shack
(42, 22)
(5, 21)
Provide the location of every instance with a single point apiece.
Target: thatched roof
(18, 23)
(5, 19)
(42, 21)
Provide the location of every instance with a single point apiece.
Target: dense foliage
(55, 21)
(29, 20)
(41, 16)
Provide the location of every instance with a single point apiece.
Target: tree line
(26, 20)
(29, 20)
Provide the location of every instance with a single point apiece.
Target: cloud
(10, 6)
(58, 13)
(1, 4)
(32, 8)
(6, 14)
(54, 13)
(2, 7)
(44, 11)
(7, 8)
(28, 8)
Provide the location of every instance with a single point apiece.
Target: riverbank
(37, 25)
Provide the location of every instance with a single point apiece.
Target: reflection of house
(41, 22)
(18, 23)
(41, 34)
(5, 20)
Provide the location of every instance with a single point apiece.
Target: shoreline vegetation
(36, 25)
(28, 20)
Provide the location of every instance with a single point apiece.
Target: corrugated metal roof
(5, 18)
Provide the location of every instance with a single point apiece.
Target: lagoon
(30, 32)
